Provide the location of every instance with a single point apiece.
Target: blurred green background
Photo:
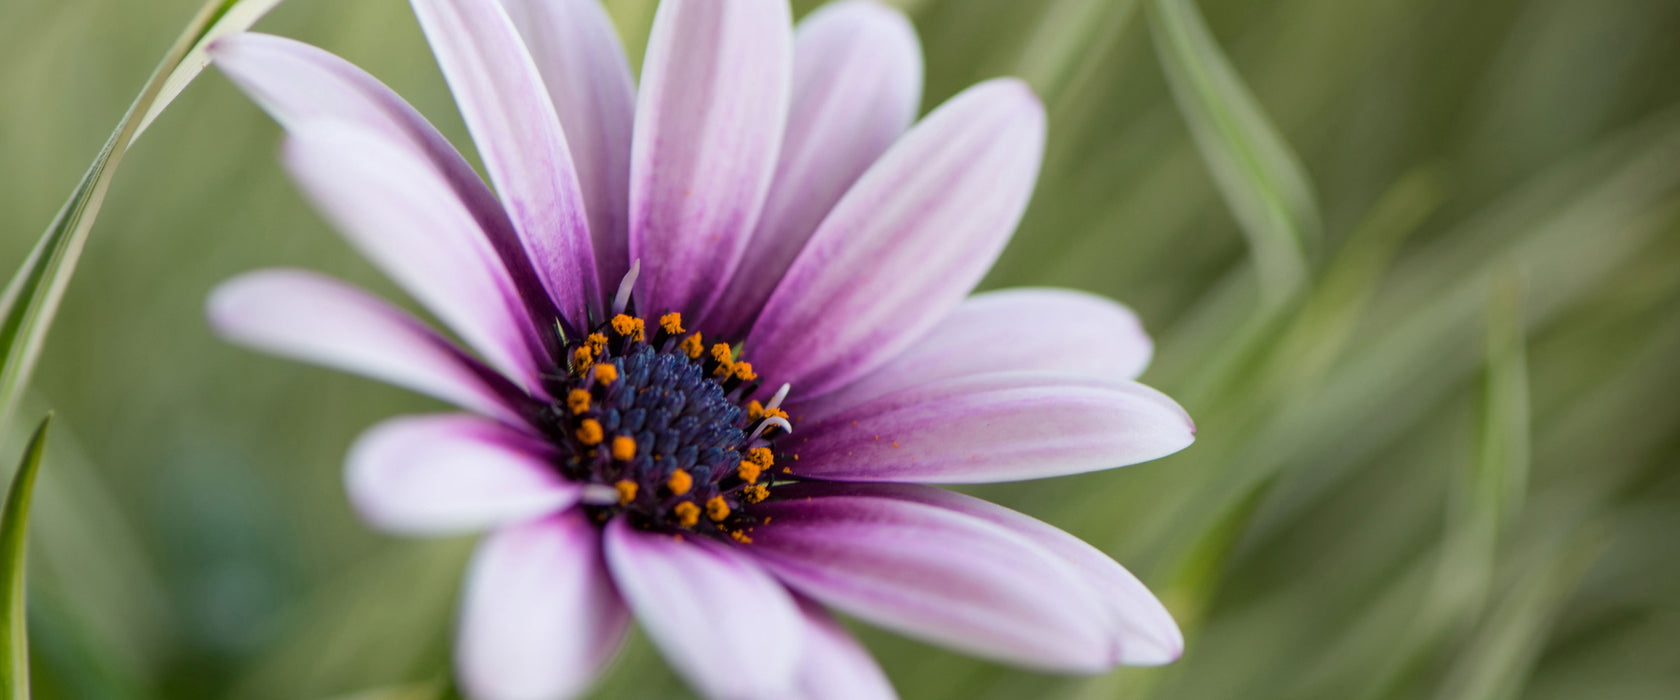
(1417, 282)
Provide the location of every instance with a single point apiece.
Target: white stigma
(622, 300)
(776, 401)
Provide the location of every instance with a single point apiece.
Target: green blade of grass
(14, 526)
(1257, 173)
(32, 297)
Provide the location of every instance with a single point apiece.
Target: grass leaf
(32, 297)
(1261, 179)
(14, 527)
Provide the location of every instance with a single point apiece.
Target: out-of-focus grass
(1441, 466)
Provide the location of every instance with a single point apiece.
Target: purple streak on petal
(450, 474)
(720, 620)
(937, 575)
(539, 616)
(906, 243)
(506, 107)
(404, 217)
(298, 84)
(835, 665)
(313, 318)
(990, 428)
(1144, 631)
(577, 50)
(1050, 330)
(857, 81)
(709, 121)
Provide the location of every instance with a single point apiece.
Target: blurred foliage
(1441, 465)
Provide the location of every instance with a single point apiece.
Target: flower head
(720, 332)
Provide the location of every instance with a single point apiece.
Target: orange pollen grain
(596, 342)
(755, 493)
(761, 456)
(688, 514)
(577, 401)
(692, 346)
(671, 323)
(606, 374)
(744, 371)
(717, 509)
(582, 358)
(749, 472)
(628, 326)
(741, 537)
(775, 413)
(624, 448)
(626, 491)
(755, 410)
(589, 432)
(680, 482)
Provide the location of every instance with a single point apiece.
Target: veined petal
(539, 616)
(582, 63)
(835, 666)
(709, 122)
(507, 109)
(313, 318)
(1144, 631)
(990, 428)
(449, 474)
(906, 243)
(722, 622)
(857, 82)
(399, 213)
(1013, 330)
(299, 84)
(934, 574)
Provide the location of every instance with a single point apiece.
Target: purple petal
(857, 81)
(937, 575)
(448, 474)
(506, 107)
(299, 84)
(709, 121)
(1145, 632)
(988, 428)
(835, 666)
(405, 218)
(577, 50)
(539, 617)
(723, 623)
(313, 318)
(1051, 330)
(904, 246)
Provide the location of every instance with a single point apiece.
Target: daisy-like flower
(720, 337)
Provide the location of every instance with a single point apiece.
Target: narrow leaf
(14, 527)
(32, 297)
(1260, 178)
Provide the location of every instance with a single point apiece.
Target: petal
(835, 666)
(857, 81)
(907, 243)
(298, 84)
(539, 617)
(449, 474)
(317, 319)
(1145, 632)
(405, 218)
(1051, 330)
(513, 123)
(989, 428)
(582, 63)
(934, 574)
(709, 121)
(723, 623)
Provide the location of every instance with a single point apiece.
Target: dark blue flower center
(662, 428)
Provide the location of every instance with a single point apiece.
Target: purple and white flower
(720, 333)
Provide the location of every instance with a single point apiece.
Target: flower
(720, 337)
